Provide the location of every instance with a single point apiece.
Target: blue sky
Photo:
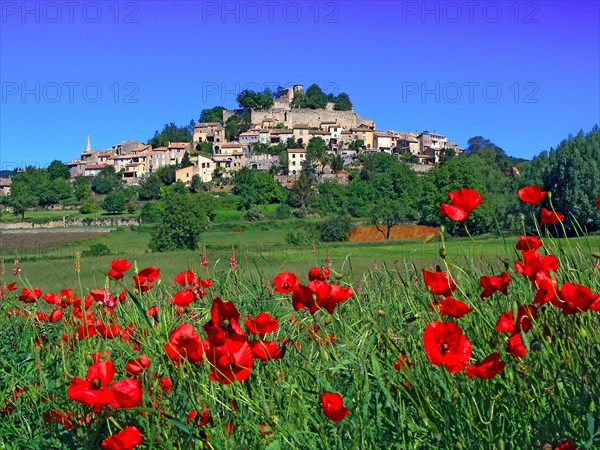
(523, 74)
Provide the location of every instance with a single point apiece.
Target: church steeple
(88, 147)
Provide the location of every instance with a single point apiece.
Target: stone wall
(67, 223)
(310, 117)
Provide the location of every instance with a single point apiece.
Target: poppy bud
(443, 252)
(515, 313)
(549, 195)
(525, 340)
(325, 354)
(500, 444)
(89, 360)
(381, 312)
(442, 229)
(328, 320)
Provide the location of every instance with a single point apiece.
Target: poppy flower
(185, 278)
(597, 202)
(534, 263)
(337, 294)
(126, 439)
(265, 350)
(303, 298)
(316, 274)
(525, 313)
(491, 284)
(122, 265)
(333, 406)
(52, 299)
(94, 391)
(262, 324)
(451, 307)
(127, 393)
(185, 343)
(138, 365)
(445, 344)
(551, 217)
(488, 368)
(184, 297)
(463, 202)
(438, 283)
(11, 286)
(401, 363)
(230, 361)
(576, 298)
(224, 323)
(564, 444)
(515, 346)
(531, 194)
(547, 290)
(103, 297)
(204, 417)
(286, 282)
(166, 385)
(528, 243)
(30, 295)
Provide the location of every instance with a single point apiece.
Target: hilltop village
(276, 140)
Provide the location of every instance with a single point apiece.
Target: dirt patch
(19, 242)
(365, 233)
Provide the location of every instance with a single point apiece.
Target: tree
(166, 174)
(196, 184)
(301, 192)
(335, 229)
(114, 203)
(313, 98)
(150, 188)
(248, 99)
(57, 169)
(317, 153)
(106, 181)
(20, 202)
(170, 133)
(337, 163)
(256, 187)
(236, 125)
(205, 148)
(214, 114)
(184, 219)
(81, 188)
(185, 161)
(343, 103)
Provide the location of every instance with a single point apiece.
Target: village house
(212, 132)
(230, 156)
(262, 161)
(176, 150)
(91, 170)
(296, 157)
(249, 137)
(159, 157)
(5, 186)
(280, 135)
(134, 172)
(202, 166)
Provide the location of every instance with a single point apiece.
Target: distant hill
(5, 173)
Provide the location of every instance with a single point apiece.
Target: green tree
(57, 169)
(337, 163)
(205, 148)
(150, 188)
(302, 192)
(166, 174)
(185, 161)
(248, 99)
(214, 114)
(170, 133)
(317, 153)
(256, 187)
(184, 219)
(343, 103)
(313, 98)
(335, 229)
(81, 188)
(196, 184)
(114, 203)
(106, 181)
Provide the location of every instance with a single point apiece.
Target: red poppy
(445, 344)
(547, 290)
(401, 363)
(286, 282)
(30, 295)
(463, 202)
(551, 217)
(94, 391)
(11, 286)
(525, 313)
(53, 299)
(104, 297)
(185, 343)
(491, 284)
(204, 417)
(108, 331)
(532, 194)
(230, 361)
(564, 444)
(533, 263)
(451, 307)
(528, 243)
(438, 283)
(265, 350)
(138, 365)
(122, 265)
(127, 393)
(488, 368)
(337, 294)
(333, 406)
(166, 385)
(184, 297)
(597, 202)
(125, 439)
(56, 315)
(303, 298)
(185, 278)
(515, 346)
(262, 324)
(316, 274)
(575, 298)
(224, 323)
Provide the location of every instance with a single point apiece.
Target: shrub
(87, 207)
(152, 212)
(96, 249)
(302, 237)
(283, 211)
(254, 214)
(335, 229)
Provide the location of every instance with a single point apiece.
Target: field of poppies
(504, 355)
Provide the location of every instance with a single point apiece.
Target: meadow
(341, 357)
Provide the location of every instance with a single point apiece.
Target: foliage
(214, 114)
(81, 188)
(335, 229)
(205, 149)
(185, 161)
(312, 98)
(106, 181)
(97, 249)
(197, 185)
(248, 99)
(114, 203)
(343, 103)
(301, 192)
(152, 212)
(304, 236)
(167, 175)
(57, 169)
(170, 133)
(150, 188)
(283, 211)
(184, 218)
(88, 207)
(317, 153)
(253, 214)
(236, 125)
(256, 188)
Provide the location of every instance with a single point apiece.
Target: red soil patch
(364, 233)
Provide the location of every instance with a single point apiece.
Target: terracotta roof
(95, 167)
(282, 131)
(381, 134)
(249, 133)
(318, 132)
(141, 148)
(231, 145)
(160, 149)
(300, 126)
(207, 124)
(178, 144)
(296, 150)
